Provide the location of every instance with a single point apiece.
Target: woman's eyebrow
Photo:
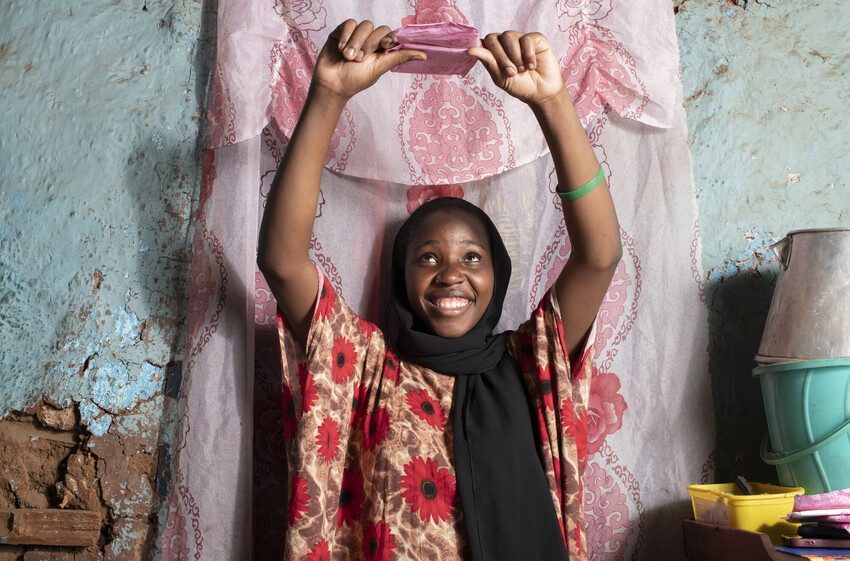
(473, 242)
(464, 242)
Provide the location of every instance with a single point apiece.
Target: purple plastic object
(445, 44)
(833, 500)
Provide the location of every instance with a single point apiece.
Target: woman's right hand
(355, 56)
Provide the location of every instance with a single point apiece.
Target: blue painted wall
(101, 106)
(767, 91)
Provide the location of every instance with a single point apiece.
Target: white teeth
(451, 303)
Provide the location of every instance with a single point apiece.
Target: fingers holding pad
(353, 37)
(528, 46)
(493, 44)
(509, 40)
(370, 45)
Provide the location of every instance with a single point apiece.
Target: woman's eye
(473, 257)
(427, 258)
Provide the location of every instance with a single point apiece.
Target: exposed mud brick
(59, 419)
(125, 491)
(129, 543)
(32, 458)
(144, 464)
(53, 555)
(138, 444)
(39, 555)
(49, 527)
(112, 474)
(107, 446)
(11, 553)
(78, 489)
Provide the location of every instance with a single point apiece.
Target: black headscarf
(503, 489)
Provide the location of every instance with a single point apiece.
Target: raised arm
(352, 59)
(525, 66)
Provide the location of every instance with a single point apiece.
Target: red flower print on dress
(359, 403)
(418, 195)
(375, 428)
(544, 387)
(290, 423)
(542, 427)
(559, 485)
(378, 543)
(327, 299)
(575, 427)
(391, 366)
(429, 490)
(350, 498)
(309, 393)
(298, 499)
(344, 358)
(427, 408)
(319, 552)
(328, 439)
(604, 409)
(367, 328)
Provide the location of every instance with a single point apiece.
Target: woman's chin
(449, 329)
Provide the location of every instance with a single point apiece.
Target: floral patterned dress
(369, 439)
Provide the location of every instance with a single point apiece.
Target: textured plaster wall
(767, 95)
(100, 105)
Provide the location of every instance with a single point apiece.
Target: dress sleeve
(559, 393)
(326, 383)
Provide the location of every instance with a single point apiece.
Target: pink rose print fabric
(424, 129)
(410, 139)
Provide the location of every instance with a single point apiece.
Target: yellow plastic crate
(724, 504)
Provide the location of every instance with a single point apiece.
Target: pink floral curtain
(403, 142)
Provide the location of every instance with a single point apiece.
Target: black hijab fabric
(503, 489)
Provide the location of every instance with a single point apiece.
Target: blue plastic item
(807, 403)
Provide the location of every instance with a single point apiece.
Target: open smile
(450, 306)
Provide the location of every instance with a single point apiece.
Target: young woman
(437, 439)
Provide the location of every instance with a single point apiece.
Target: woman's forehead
(453, 226)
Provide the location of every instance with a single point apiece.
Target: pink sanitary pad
(834, 500)
(445, 44)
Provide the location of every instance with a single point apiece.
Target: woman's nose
(450, 275)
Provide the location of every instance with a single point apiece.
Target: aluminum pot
(809, 315)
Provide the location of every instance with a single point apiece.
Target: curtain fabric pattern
(406, 140)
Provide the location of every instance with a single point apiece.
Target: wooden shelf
(709, 542)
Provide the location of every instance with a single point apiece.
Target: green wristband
(584, 189)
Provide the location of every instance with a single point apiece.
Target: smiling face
(449, 272)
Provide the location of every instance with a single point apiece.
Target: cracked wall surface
(767, 89)
(102, 103)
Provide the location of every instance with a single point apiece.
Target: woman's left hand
(522, 64)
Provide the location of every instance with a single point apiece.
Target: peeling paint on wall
(766, 97)
(97, 182)
(755, 253)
